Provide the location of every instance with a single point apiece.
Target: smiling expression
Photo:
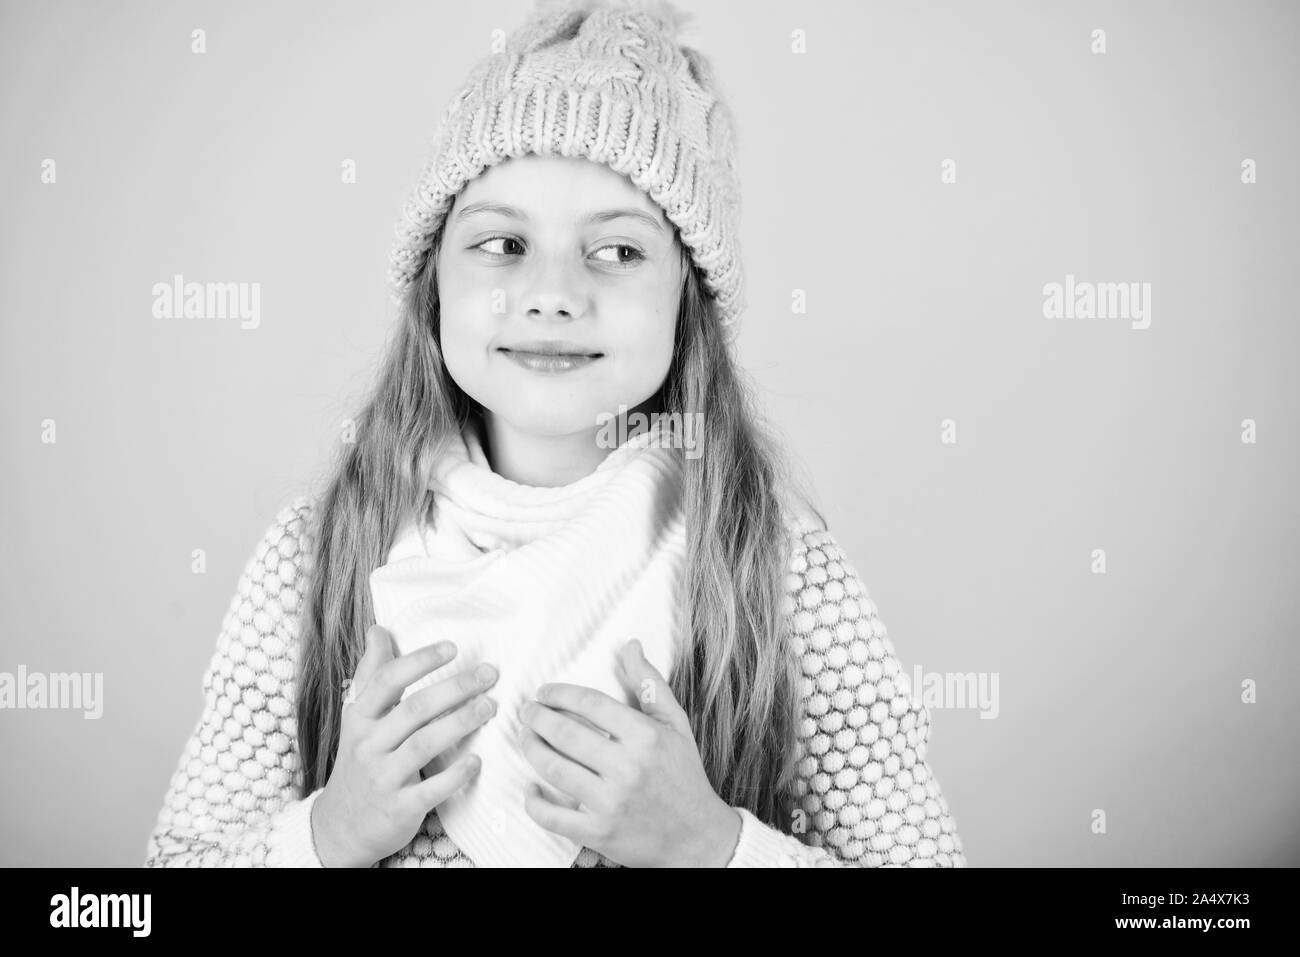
(548, 254)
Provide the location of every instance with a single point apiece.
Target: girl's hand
(636, 789)
(375, 801)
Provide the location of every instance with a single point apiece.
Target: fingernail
(485, 672)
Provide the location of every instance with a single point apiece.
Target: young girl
(561, 603)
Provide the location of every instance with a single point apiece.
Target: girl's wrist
(721, 834)
(329, 851)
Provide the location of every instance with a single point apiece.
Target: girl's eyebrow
(602, 216)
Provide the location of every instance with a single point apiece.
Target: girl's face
(559, 251)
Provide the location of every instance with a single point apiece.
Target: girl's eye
(636, 254)
(497, 239)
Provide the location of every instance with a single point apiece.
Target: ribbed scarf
(546, 584)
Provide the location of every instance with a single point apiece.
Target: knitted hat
(608, 80)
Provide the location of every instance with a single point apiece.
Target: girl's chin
(549, 415)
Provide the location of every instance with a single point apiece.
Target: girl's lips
(550, 364)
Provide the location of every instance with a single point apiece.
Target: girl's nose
(545, 305)
(554, 289)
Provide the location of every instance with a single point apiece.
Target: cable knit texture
(868, 796)
(611, 81)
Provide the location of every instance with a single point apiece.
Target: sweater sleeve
(232, 800)
(867, 796)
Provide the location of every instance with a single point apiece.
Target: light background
(1119, 692)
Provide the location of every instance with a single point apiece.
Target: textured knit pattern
(611, 82)
(869, 798)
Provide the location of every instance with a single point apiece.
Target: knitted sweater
(869, 797)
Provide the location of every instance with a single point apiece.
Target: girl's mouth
(550, 362)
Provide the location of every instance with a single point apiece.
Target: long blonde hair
(738, 678)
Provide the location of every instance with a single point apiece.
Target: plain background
(1119, 692)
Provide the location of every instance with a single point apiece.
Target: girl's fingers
(384, 688)
(437, 736)
(556, 818)
(559, 771)
(428, 703)
(575, 738)
(436, 788)
(598, 708)
(557, 796)
(379, 648)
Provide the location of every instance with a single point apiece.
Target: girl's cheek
(461, 338)
(460, 297)
(467, 310)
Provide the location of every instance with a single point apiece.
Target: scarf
(546, 584)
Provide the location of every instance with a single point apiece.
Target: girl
(559, 493)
